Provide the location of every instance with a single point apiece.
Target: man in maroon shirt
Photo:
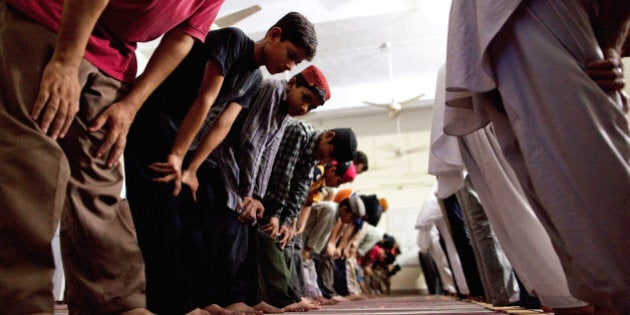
(67, 98)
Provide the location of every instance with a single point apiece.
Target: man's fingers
(49, 113)
(604, 64)
(162, 167)
(116, 151)
(602, 74)
(98, 123)
(69, 119)
(178, 188)
(108, 142)
(284, 240)
(242, 217)
(165, 179)
(611, 85)
(64, 113)
(40, 102)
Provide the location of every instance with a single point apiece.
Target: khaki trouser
(41, 177)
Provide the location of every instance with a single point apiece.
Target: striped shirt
(291, 175)
(253, 138)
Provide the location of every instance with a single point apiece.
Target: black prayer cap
(345, 143)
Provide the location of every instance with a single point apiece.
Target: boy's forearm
(189, 128)
(348, 232)
(305, 213)
(173, 48)
(196, 115)
(334, 234)
(217, 133)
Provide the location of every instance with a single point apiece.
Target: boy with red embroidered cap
(240, 166)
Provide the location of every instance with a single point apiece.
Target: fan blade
(416, 149)
(236, 17)
(377, 104)
(415, 98)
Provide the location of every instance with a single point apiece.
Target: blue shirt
(246, 156)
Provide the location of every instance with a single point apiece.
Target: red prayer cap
(315, 78)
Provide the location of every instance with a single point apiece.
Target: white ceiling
(351, 34)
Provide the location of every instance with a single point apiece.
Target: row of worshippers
(343, 255)
(216, 191)
(303, 267)
(199, 228)
(210, 148)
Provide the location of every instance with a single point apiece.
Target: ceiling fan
(394, 107)
(235, 17)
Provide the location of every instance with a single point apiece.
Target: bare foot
(324, 301)
(295, 307)
(267, 309)
(137, 311)
(356, 297)
(198, 311)
(243, 309)
(215, 309)
(309, 304)
(340, 298)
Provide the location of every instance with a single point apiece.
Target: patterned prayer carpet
(402, 305)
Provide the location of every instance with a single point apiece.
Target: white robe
(566, 140)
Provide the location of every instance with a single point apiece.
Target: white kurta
(521, 235)
(566, 140)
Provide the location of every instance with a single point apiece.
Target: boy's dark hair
(361, 159)
(297, 29)
(387, 242)
(394, 270)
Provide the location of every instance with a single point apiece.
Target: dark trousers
(431, 273)
(340, 277)
(276, 279)
(463, 246)
(230, 243)
(325, 274)
(293, 258)
(168, 227)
